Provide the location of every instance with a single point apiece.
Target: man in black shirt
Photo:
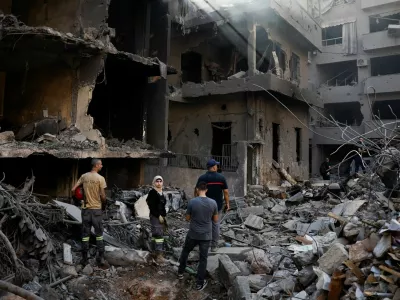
(324, 169)
(217, 189)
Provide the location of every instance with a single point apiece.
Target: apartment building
(74, 84)
(243, 74)
(358, 74)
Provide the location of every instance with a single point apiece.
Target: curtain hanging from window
(349, 34)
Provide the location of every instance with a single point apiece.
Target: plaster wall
(353, 11)
(184, 118)
(245, 114)
(28, 94)
(273, 112)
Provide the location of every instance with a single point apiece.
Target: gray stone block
(212, 265)
(243, 267)
(252, 210)
(254, 222)
(228, 271)
(234, 253)
(241, 288)
(333, 258)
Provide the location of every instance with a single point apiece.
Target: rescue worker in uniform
(92, 213)
(156, 202)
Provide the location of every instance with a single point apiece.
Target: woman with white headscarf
(156, 202)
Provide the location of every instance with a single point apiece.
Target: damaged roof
(21, 45)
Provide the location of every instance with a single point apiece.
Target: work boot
(100, 258)
(84, 260)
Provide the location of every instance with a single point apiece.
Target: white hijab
(154, 184)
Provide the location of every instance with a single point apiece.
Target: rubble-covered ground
(316, 240)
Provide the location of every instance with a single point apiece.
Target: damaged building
(242, 91)
(358, 73)
(75, 83)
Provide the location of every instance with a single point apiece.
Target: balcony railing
(228, 163)
(334, 41)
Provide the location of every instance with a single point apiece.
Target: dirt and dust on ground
(337, 239)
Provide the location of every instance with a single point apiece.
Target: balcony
(379, 40)
(368, 4)
(338, 94)
(383, 84)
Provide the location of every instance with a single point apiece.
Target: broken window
(348, 113)
(281, 55)
(264, 49)
(221, 136)
(387, 110)
(298, 144)
(385, 65)
(275, 141)
(295, 67)
(381, 23)
(191, 65)
(339, 74)
(332, 35)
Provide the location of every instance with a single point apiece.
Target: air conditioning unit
(394, 30)
(362, 62)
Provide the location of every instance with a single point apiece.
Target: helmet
(79, 193)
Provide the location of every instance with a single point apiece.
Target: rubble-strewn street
(319, 239)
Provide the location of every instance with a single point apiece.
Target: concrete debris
(125, 257)
(254, 222)
(333, 258)
(228, 271)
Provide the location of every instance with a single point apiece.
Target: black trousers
(92, 217)
(187, 248)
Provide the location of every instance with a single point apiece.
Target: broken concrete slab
(275, 289)
(306, 276)
(252, 210)
(241, 288)
(228, 271)
(305, 258)
(68, 271)
(279, 208)
(297, 198)
(87, 270)
(258, 281)
(358, 253)
(243, 267)
(383, 245)
(333, 258)
(79, 137)
(260, 263)
(234, 253)
(254, 222)
(212, 265)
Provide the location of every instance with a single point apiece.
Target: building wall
(185, 118)
(252, 117)
(28, 94)
(334, 54)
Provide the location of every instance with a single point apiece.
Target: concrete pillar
(251, 46)
(317, 155)
(157, 112)
(240, 188)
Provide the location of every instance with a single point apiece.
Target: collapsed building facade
(74, 84)
(358, 74)
(242, 92)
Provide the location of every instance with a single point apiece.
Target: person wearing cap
(217, 189)
(202, 212)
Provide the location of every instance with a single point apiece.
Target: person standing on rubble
(202, 212)
(324, 169)
(92, 213)
(217, 189)
(156, 202)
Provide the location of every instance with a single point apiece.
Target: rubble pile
(115, 144)
(337, 240)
